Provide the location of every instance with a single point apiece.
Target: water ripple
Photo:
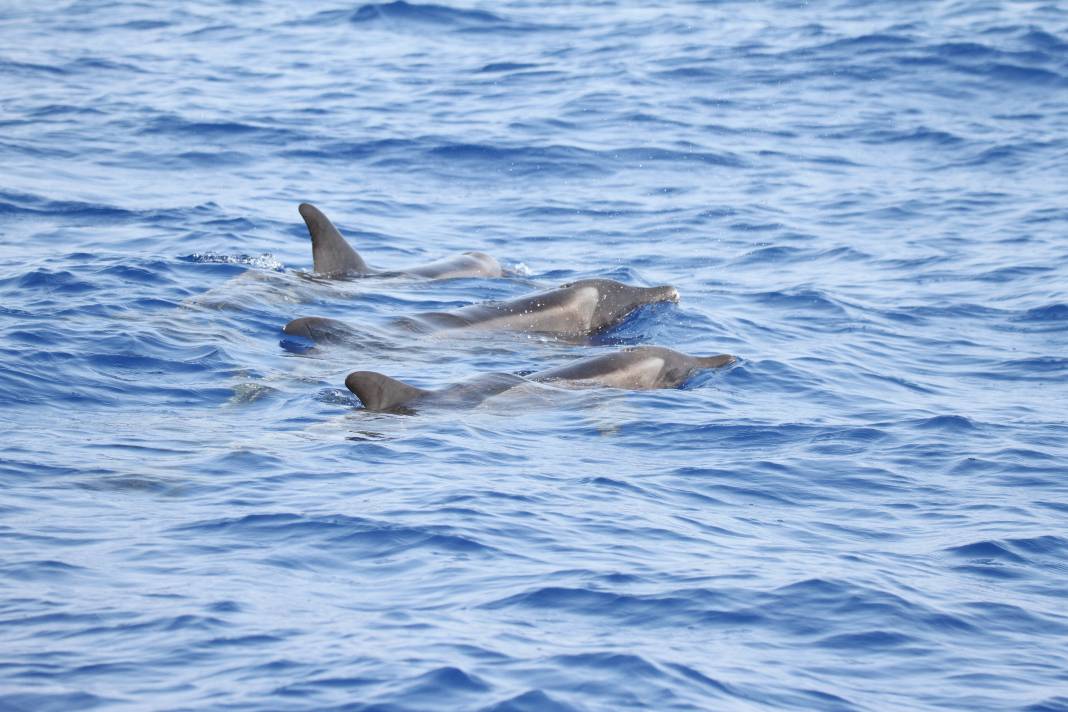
(862, 201)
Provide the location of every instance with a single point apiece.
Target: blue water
(866, 202)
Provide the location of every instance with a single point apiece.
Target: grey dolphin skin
(333, 256)
(576, 309)
(572, 310)
(639, 368)
(319, 329)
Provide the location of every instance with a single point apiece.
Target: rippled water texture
(866, 202)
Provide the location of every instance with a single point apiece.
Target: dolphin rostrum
(333, 256)
(638, 368)
(572, 310)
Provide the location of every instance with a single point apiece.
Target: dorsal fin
(379, 392)
(330, 253)
(714, 361)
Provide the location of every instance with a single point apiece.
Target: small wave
(1045, 41)
(41, 570)
(216, 131)
(660, 155)
(862, 614)
(801, 299)
(442, 14)
(1050, 545)
(990, 559)
(131, 483)
(54, 701)
(1008, 274)
(1001, 616)
(1043, 368)
(530, 701)
(16, 203)
(355, 150)
(704, 73)
(97, 64)
(1016, 75)
(348, 534)
(1057, 703)
(495, 67)
(152, 273)
(443, 684)
(245, 393)
(53, 281)
(266, 261)
(404, 15)
(207, 158)
(920, 135)
(64, 110)
(517, 269)
(1049, 313)
(985, 551)
(947, 423)
(142, 25)
(668, 609)
(520, 160)
(866, 44)
(771, 253)
(336, 396)
(968, 50)
(869, 640)
(14, 69)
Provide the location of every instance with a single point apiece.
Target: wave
(28, 204)
(400, 15)
(346, 534)
(866, 207)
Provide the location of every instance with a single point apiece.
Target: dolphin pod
(333, 256)
(638, 368)
(571, 310)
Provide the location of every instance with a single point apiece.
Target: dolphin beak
(716, 361)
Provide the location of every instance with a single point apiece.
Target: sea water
(865, 202)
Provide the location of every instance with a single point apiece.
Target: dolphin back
(331, 254)
(380, 392)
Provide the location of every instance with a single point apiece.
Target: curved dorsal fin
(330, 253)
(379, 392)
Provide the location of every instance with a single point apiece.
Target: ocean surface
(865, 202)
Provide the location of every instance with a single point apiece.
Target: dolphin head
(616, 300)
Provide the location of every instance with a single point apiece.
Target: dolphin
(571, 310)
(639, 368)
(333, 256)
